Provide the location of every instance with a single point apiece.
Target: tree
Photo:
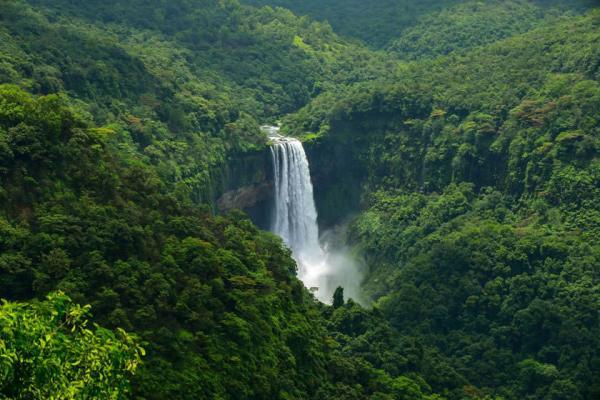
(48, 352)
(338, 297)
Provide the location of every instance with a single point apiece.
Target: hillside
(471, 24)
(380, 23)
(184, 98)
(479, 188)
(459, 162)
(214, 302)
(375, 22)
(113, 128)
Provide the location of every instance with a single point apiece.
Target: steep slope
(480, 176)
(214, 300)
(471, 24)
(110, 130)
(80, 216)
(270, 62)
(186, 84)
(380, 22)
(374, 22)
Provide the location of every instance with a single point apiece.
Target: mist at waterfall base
(322, 265)
(342, 268)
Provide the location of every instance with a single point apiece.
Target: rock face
(337, 176)
(246, 183)
(246, 197)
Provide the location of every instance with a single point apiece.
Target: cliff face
(337, 178)
(246, 197)
(246, 183)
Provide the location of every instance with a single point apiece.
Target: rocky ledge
(246, 197)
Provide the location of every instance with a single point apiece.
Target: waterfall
(295, 214)
(295, 221)
(295, 218)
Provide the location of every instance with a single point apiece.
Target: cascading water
(295, 214)
(295, 220)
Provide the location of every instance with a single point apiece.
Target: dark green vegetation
(214, 301)
(480, 177)
(375, 22)
(473, 178)
(184, 86)
(431, 27)
(474, 23)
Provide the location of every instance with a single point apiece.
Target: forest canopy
(454, 144)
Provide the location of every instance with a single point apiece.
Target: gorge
(436, 160)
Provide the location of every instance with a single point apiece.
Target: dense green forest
(481, 180)
(454, 23)
(182, 97)
(213, 301)
(457, 141)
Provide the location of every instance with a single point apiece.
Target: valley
(272, 199)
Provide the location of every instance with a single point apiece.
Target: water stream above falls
(295, 220)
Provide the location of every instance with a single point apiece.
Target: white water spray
(295, 220)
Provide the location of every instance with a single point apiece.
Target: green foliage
(478, 181)
(470, 24)
(186, 99)
(375, 22)
(489, 287)
(506, 115)
(427, 27)
(338, 297)
(48, 352)
(477, 172)
(214, 300)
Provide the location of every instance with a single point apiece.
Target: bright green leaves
(15, 105)
(47, 351)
